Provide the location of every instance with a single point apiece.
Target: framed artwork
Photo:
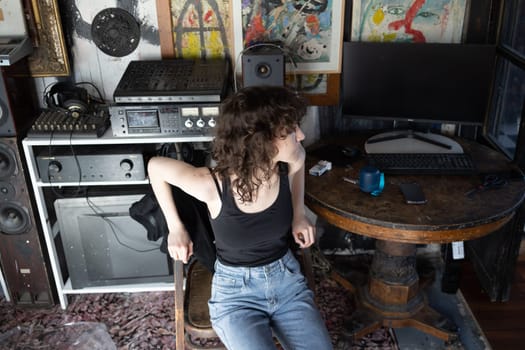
(49, 57)
(194, 28)
(320, 89)
(309, 32)
(418, 21)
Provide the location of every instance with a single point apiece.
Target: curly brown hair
(248, 124)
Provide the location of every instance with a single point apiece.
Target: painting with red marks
(202, 28)
(417, 21)
(309, 32)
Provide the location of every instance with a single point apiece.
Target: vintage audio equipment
(88, 165)
(173, 80)
(103, 245)
(55, 123)
(263, 66)
(22, 255)
(164, 119)
(14, 39)
(72, 99)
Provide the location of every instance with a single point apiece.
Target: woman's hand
(180, 245)
(303, 231)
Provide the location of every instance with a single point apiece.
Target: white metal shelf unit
(49, 225)
(4, 287)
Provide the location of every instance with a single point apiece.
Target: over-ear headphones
(71, 98)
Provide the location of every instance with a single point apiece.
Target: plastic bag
(70, 336)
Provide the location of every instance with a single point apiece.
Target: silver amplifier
(164, 119)
(99, 167)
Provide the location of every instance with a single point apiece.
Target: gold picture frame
(49, 57)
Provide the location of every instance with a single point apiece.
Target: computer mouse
(350, 151)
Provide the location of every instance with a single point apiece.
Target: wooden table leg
(393, 297)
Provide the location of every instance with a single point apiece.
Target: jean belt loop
(247, 271)
(281, 264)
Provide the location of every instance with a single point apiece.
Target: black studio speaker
(18, 101)
(22, 257)
(263, 66)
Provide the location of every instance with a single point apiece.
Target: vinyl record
(115, 32)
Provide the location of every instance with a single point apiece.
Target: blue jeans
(249, 305)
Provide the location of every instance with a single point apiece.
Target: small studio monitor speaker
(18, 101)
(263, 66)
(22, 257)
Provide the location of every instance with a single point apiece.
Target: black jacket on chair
(194, 215)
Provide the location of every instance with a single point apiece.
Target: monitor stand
(409, 141)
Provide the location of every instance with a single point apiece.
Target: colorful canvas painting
(201, 28)
(418, 21)
(308, 83)
(309, 32)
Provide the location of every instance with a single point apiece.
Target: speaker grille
(263, 68)
(14, 219)
(7, 162)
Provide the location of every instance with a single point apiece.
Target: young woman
(255, 198)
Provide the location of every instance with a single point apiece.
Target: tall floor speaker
(22, 256)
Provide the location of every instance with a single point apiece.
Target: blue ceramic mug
(371, 180)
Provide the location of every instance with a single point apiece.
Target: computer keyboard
(422, 163)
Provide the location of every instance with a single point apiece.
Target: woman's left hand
(303, 231)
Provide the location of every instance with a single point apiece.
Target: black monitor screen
(417, 82)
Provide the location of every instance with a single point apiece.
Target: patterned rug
(146, 321)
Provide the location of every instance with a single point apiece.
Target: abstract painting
(418, 21)
(309, 32)
(201, 29)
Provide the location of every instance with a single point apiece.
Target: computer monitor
(445, 83)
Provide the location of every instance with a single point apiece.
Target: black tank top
(253, 239)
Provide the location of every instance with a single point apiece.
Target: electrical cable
(114, 227)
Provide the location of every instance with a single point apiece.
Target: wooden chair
(191, 303)
(192, 318)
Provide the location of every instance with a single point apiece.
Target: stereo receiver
(166, 120)
(91, 165)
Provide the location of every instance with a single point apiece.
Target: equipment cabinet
(86, 168)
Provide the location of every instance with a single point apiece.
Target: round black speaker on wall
(115, 32)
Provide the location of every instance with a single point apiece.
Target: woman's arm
(165, 172)
(302, 229)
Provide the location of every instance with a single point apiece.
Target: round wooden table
(393, 296)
